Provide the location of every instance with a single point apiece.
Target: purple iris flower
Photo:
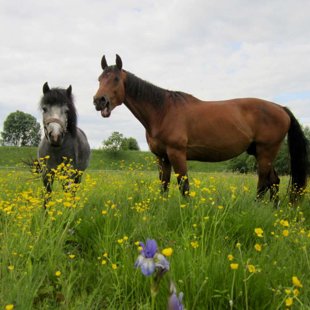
(149, 259)
(149, 249)
(175, 302)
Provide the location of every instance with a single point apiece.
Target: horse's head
(55, 105)
(111, 92)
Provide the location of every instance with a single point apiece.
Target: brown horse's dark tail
(298, 149)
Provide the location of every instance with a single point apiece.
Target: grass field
(226, 251)
(102, 160)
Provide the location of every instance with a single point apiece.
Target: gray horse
(62, 138)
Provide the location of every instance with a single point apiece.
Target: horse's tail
(298, 148)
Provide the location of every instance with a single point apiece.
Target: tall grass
(80, 252)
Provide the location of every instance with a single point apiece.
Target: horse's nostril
(100, 103)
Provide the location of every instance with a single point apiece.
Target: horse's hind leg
(164, 167)
(267, 176)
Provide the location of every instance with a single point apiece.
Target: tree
(117, 142)
(114, 142)
(130, 144)
(21, 129)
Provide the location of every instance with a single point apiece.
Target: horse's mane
(59, 96)
(143, 90)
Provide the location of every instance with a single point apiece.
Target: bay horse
(180, 127)
(63, 141)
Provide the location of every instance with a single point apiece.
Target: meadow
(225, 250)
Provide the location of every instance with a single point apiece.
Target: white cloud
(211, 49)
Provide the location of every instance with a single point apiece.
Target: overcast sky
(210, 49)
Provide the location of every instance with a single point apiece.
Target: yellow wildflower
(234, 266)
(195, 244)
(192, 194)
(285, 232)
(230, 257)
(259, 232)
(287, 291)
(284, 223)
(251, 268)
(289, 301)
(58, 273)
(258, 247)
(167, 251)
(296, 281)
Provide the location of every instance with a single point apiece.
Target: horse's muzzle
(103, 104)
(56, 139)
(100, 103)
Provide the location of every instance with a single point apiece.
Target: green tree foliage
(117, 142)
(130, 144)
(21, 129)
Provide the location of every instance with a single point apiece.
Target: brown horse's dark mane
(59, 96)
(145, 91)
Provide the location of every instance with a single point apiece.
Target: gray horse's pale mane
(142, 90)
(59, 96)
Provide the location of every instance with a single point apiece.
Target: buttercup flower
(289, 301)
(230, 257)
(149, 258)
(167, 251)
(251, 268)
(259, 232)
(296, 281)
(234, 266)
(258, 247)
(57, 273)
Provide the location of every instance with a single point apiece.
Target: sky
(212, 49)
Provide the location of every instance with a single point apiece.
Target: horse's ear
(69, 91)
(104, 63)
(46, 88)
(119, 62)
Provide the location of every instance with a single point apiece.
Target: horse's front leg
(48, 179)
(164, 167)
(177, 159)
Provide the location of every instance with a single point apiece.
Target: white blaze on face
(55, 130)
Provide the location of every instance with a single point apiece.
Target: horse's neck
(144, 112)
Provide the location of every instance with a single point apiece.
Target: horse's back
(255, 117)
